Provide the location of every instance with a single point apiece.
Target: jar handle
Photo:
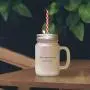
(68, 57)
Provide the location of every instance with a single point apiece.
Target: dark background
(19, 33)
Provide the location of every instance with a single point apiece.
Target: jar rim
(47, 37)
(53, 35)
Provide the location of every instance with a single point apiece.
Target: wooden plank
(24, 87)
(1, 89)
(76, 76)
(16, 59)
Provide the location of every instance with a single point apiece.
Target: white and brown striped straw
(47, 21)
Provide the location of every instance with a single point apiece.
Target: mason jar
(47, 55)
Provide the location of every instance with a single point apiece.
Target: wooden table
(76, 77)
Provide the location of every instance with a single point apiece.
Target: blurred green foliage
(70, 14)
(18, 6)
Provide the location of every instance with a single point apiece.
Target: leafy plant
(8, 6)
(70, 14)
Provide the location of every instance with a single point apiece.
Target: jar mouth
(47, 37)
(41, 35)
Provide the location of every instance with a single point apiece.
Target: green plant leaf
(84, 12)
(4, 10)
(61, 18)
(72, 19)
(78, 31)
(85, 1)
(5, 15)
(44, 28)
(22, 10)
(52, 28)
(53, 8)
(72, 5)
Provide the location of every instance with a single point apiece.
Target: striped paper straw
(47, 21)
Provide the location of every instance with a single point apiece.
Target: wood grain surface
(77, 76)
(16, 59)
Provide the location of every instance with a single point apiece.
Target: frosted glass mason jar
(47, 55)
